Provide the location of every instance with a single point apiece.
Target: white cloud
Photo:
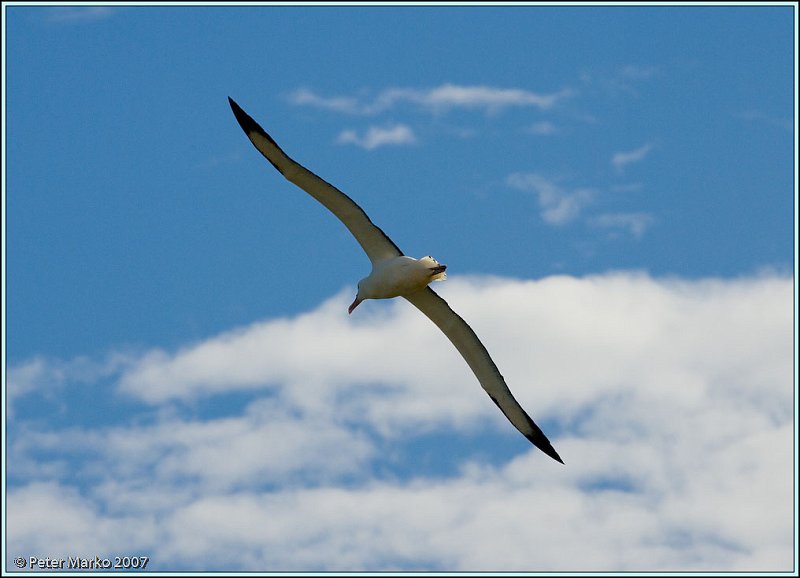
(375, 137)
(48, 377)
(558, 205)
(271, 441)
(74, 524)
(622, 159)
(635, 223)
(436, 99)
(671, 402)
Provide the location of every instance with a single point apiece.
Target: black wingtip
(544, 444)
(550, 451)
(536, 437)
(244, 119)
(251, 127)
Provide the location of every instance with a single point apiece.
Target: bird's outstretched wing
(478, 359)
(372, 239)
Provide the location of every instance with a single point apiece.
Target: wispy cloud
(558, 205)
(305, 97)
(625, 80)
(626, 188)
(78, 14)
(486, 97)
(665, 458)
(437, 99)
(622, 159)
(637, 72)
(376, 136)
(543, 128)
(635, 223)
(758, 116)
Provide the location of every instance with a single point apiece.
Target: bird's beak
(353, 305)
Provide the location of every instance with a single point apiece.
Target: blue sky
(612, 189)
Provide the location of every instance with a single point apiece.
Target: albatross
(397, 275)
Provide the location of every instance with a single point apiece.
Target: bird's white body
(396, 275)
(400, 276)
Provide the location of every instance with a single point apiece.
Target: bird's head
(359, 298)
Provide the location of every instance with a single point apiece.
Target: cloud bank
(299, 443)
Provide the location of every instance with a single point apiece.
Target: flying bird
(397, 275)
